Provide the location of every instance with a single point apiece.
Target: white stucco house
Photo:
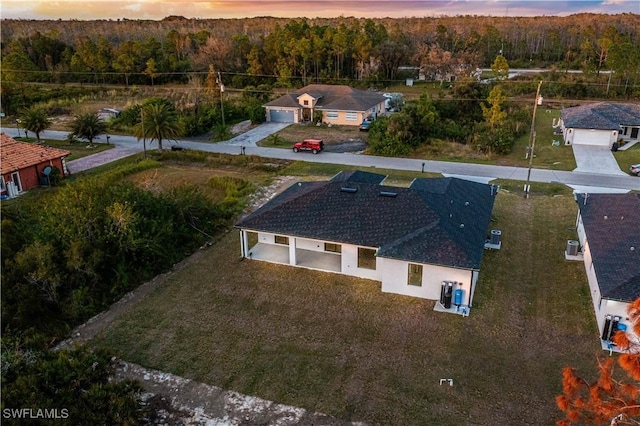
(339, 104)
(601, 123)
(415, 241)
(608, 228)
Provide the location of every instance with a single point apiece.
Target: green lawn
(546, 155)
(78, 149)
(338, 345)
(628, 157)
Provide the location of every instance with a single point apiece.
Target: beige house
(341, 105)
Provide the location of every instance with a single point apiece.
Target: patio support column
(244, 242)
(292, 251)
(474, 280)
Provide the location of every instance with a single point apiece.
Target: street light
(18, 126)
(144, 137)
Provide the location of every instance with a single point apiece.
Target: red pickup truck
(313, 145)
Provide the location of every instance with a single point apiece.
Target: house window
(332, 115)
(332, 247)
(15, 177)
(2, 187)
(306, 103)
(625, 131)
(352, 116)
(281, 239)
(366, 258)
(415, 275)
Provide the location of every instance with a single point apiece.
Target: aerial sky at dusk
(158, 9)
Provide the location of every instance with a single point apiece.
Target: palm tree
(88, 126)
(35, 119)
(158, 121)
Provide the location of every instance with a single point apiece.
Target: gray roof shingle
(612, 227)
(602, 116)
(359, 176)
(331, 97)
(417, 224)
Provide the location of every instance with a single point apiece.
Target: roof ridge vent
(348, 189)
(388, 194)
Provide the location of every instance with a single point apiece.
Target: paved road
(574, 178)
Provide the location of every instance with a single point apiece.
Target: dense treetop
(300, 49)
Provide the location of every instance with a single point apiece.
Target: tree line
(301, 51)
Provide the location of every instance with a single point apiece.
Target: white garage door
(281, 116)
(591, 137)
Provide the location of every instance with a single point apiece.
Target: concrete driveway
(256, 134)
(595, 159)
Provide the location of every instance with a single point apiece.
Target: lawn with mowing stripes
(338, 345)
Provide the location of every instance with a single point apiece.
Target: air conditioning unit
(573, 247)
(495, 236)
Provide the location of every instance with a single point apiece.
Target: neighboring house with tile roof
(26, 165)
(601, 123)
(412, 239)
(609, 232)
(342, 105)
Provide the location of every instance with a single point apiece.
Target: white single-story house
(342, 105)
(601, 123)
(424, 241)
(609, 232)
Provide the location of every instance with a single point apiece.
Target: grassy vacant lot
(77, 149)
(547, 156)
(337, 345)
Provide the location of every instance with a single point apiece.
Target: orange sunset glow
(158, 9)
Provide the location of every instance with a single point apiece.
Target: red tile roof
(16, 155)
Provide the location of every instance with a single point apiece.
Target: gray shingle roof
(602, 116)
(332, 97)
(359, 176)
(414, 224)
(612, 227)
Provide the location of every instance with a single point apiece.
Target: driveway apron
(256, 134)
(104, 157)
(595, 159)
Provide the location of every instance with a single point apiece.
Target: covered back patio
(292, 255)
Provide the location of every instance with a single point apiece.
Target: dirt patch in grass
(340, 346)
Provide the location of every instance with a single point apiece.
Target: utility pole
(221, 97)
(144, 137)
(532, 141)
